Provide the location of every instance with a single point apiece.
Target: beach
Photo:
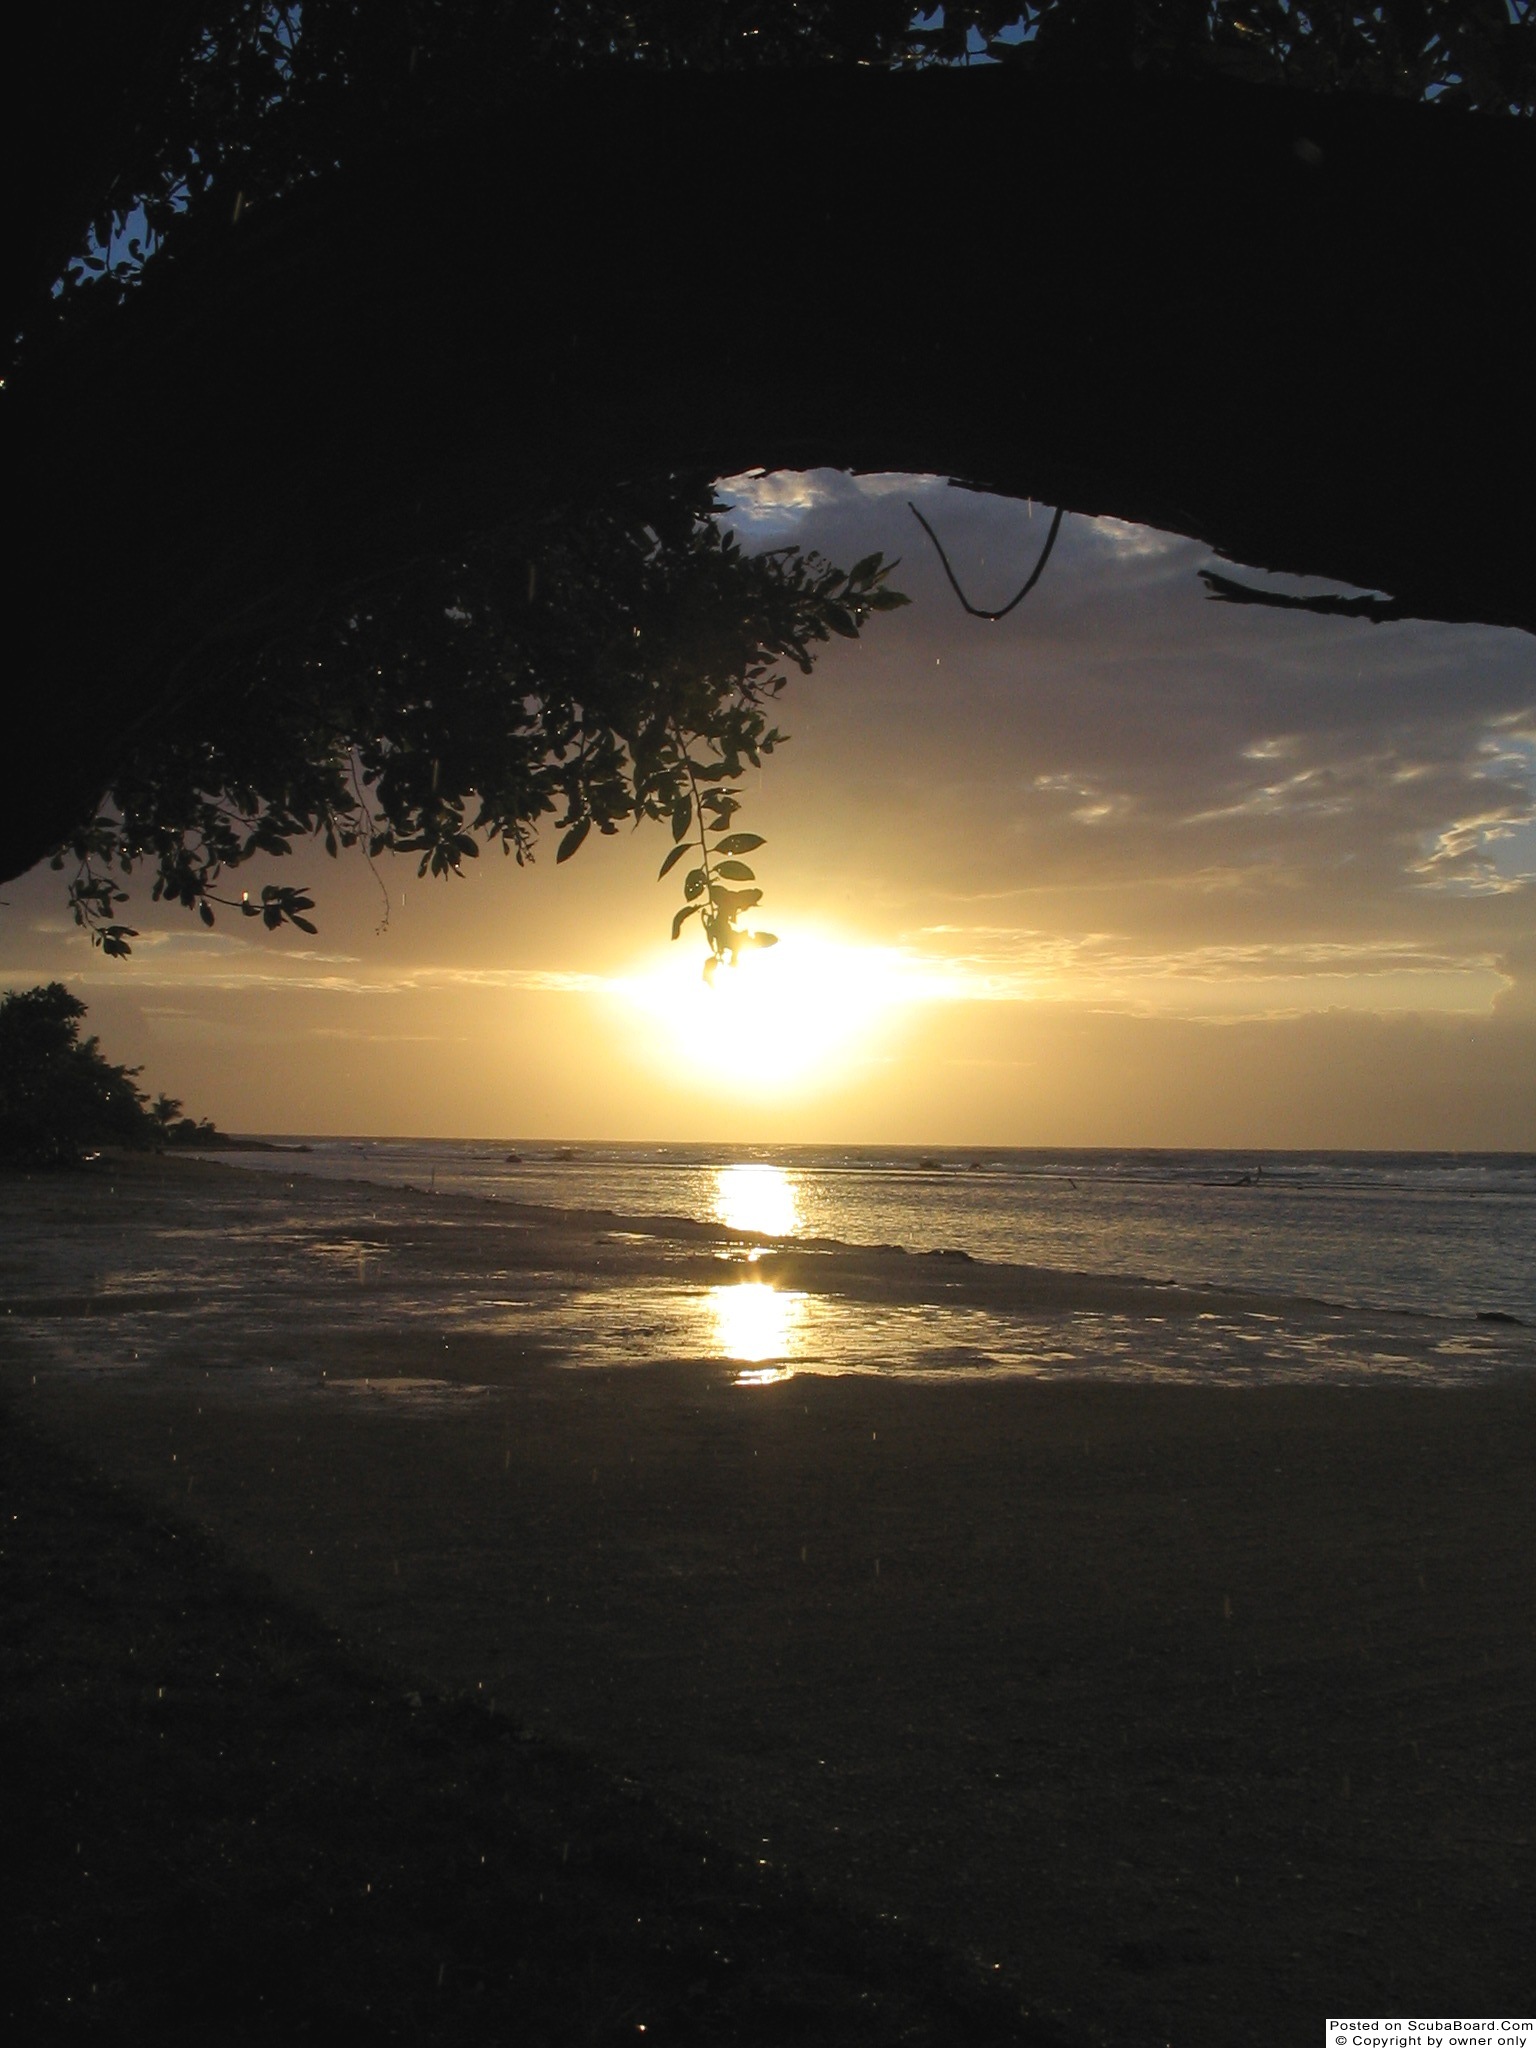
(1190, 1712)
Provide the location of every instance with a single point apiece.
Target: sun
(802, 1012)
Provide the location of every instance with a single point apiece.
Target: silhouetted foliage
(58, 1093)
(592, 665)
(165, 1109)
(235, 102)
(601, 666)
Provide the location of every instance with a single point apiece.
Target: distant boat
(514, 1159)
(932, 1165)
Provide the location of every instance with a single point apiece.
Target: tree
(58, 1093)
(165, 1109)
(169, 119)
(430, 275)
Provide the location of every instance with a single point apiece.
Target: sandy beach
(1190, 1713)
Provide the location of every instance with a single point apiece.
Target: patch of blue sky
(1024, 30)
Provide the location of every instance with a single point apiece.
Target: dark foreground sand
(1200, 1713)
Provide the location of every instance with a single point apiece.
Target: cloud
(767, 503)
(1319, 790)
(1089, 803)
(1111, 971)
(256, 975)
(1464, 855)
(775, 497)
(1130, 543)
(378, 1037)
(948, 963)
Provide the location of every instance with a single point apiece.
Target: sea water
(292, 1275)
(1443, 1233)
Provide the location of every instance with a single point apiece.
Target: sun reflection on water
(756, 1197)
(755, 1323)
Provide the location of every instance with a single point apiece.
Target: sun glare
(756, 1197)
(755, 1323)
(795, 1015)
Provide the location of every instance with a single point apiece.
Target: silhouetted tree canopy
(59, 1094)
(171, 118)
(605, 665)
(373, 504)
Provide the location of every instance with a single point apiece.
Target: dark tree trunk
(1293, 328)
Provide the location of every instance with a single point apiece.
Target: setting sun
(791, 1016)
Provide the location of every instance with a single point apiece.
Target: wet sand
(1200, 1712)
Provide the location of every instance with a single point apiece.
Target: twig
(362, 803)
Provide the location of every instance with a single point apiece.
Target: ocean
(1227, 1268)
(1443, 1233)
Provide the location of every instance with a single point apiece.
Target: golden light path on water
(756, 1196)
(756, 1324)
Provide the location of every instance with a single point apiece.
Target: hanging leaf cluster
(720, 889)
(712, 889)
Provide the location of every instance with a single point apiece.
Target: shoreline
(862, 1270)
(177, 1251)
(893, 1207)
(1189, 1707)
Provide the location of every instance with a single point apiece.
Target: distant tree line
(61, 1097)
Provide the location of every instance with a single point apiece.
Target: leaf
(573, 839)
(682, 816)
(735, 871)
(734, 901)
(694, 886)
(741, 842)
(861, 570)
(760, 938)
(840, 622)
(672, 860)
(205, 912)
(682, 917)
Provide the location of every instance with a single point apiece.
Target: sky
(1129, 867)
